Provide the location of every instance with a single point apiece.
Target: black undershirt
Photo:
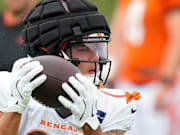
(10, 45)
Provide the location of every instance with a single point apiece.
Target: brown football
(58, 71)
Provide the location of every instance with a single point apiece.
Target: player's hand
(84, 106)
(24, 80)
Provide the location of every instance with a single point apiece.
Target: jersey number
(134, 30)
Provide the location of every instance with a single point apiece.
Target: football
(57, 70)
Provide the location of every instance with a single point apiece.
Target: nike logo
(133, 110)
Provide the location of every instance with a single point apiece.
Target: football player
(145, 38)
(73, 30)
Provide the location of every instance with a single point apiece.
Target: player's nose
(94, 56)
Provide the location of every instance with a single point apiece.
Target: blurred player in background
(75, 31)
(10, 28)
(146, 47)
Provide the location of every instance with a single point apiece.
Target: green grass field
(106, 7)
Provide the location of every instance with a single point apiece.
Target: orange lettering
(75, 130)
(81, 131)
(70, 128)
(63, 127)
(43, 122)
(49, 124)
(56, 125)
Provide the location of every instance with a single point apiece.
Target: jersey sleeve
(119, 114)
(5, 89)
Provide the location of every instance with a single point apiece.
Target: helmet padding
(50, 24)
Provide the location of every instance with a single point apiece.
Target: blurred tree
(1, 5)
(106, 7)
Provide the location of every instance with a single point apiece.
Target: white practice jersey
(113, 113)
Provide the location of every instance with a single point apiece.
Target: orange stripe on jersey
(129, 96)
(113, 95)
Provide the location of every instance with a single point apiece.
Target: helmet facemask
(90, 50)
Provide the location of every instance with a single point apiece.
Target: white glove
(24, 81)
(84, 106)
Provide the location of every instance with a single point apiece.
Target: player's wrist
(15, 105)
(93, 122)
(88, 130)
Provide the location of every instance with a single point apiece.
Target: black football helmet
(55, 25)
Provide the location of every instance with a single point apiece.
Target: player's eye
(83, 49)
(80, 48)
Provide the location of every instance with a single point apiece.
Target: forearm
(114, 132)
(88, 131)
(9, 123)
(172, 52)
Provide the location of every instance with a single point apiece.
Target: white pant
(148, 121)
(174, 109)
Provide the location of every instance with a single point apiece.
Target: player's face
(17, 6)
(84, 53)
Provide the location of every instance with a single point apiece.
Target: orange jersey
(145, 37)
